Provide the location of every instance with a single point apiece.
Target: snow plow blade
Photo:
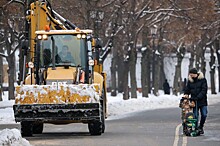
(81, 112)
(57, 94)
(49, 103)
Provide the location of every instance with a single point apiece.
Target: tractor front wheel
(26, 128)
(95, 128)
(38, 128)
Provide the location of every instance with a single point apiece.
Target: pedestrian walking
(166, 87)
(197, 88)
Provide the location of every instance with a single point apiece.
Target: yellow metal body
(61, 73)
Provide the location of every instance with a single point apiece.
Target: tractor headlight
(83, 36)
(39, 37)
(79, 36)
(45, 37)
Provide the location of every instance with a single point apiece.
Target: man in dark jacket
(197, 88)
(65, 55)
(166, 87)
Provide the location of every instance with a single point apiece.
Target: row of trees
(181, 27)
(161, 27)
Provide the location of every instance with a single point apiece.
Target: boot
(201, 131)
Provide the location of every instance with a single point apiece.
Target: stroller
(189, 121)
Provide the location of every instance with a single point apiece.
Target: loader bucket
(57, 94)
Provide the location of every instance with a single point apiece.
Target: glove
(195, 98)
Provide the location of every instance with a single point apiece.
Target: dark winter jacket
(197, 88)
(166, 87)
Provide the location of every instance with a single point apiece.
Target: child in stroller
(189, 122)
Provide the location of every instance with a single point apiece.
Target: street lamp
(98, 16)
(153, 33)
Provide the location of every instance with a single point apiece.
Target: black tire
(95, 128)
(103, 109)
(103, 119)
(98, 127)
(38, 128)
(26, 128)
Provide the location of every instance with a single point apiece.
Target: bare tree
(12, 36)
(1, 74)
(191, 17)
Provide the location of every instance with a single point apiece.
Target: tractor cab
(60, 50)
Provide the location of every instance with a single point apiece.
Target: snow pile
(118, 108)
(12, 137)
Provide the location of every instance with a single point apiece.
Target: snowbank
(118, 108)
(12, 137)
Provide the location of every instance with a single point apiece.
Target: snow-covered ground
(12, 137)
(117, 108)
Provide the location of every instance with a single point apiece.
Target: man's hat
(193, 71)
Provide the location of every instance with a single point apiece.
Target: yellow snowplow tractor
(61, 85)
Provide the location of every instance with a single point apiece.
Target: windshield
(68, 50)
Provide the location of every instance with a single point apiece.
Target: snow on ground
(12, 137)
(117, 108)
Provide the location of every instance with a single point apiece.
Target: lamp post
(97, 16)
(153, 34)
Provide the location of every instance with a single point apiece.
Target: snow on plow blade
(57, 94)
(57, 103)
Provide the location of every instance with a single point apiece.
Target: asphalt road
(148, 128)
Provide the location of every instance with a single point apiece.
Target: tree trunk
(218, 57)
(153, 67)
(158, 65)
(125, 81)
(1, 76)
(162, 74)
(198, 56)
(156, 75)
(113, 80)
(120, 70)
(145, 76)
(21, 62)
(132, 69)
(203, 63)
(212, 71)
(113, 74)
(11, 75)
(177, 77)
(145, 73)
(191, 59)
(149, 75)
